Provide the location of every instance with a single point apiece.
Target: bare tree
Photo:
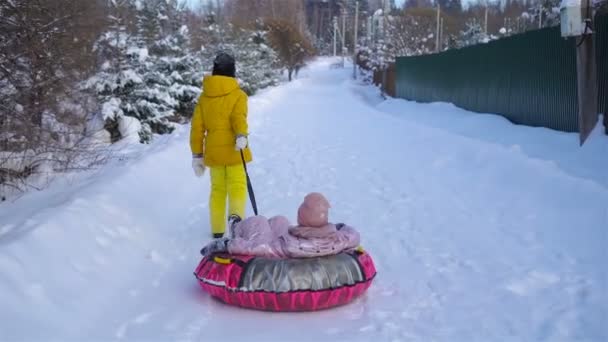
(292, 47)
(248, 12)
(46, 48)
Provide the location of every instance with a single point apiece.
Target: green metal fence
(528, 78)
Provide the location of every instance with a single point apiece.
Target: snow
(141, 53)
(502, 30)
(129, 128)
(481, 230)
(111, 109)
(129, 76)
(183, 30)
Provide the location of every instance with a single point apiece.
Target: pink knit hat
(314, 211)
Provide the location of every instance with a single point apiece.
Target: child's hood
(215, 86)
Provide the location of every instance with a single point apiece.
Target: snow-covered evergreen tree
(256, 61)
(143, 87)
(121, 78)
(150, 78)
(176, 71)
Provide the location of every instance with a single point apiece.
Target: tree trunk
(289, 73)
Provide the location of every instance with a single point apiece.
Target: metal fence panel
(528, 78)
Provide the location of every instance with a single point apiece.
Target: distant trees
(293, 48)
(285, 26)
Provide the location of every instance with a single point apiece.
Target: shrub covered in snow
(472, 34)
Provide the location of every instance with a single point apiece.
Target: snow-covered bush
(257, 63)
(472, 34)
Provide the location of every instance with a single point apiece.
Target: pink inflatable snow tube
(270, 284)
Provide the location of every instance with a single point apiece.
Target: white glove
(241, 143)
(198, 165)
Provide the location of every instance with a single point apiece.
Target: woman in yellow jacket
(218, 135)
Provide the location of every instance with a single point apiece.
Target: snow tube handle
(223, 261)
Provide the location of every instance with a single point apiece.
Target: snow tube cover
(304, 284)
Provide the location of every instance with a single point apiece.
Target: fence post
(587, 86)
(384, 71)
(586, 75)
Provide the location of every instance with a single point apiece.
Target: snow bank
(129, 128)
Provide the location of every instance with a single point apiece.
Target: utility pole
(335, 34)
(438, 28)
(540, 16)
(274, 13)
(219, 10)
(441, 36)
(355, 41)
(485, 24)
(343, 31)
(370, 30)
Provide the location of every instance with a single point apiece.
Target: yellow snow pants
(231, 182)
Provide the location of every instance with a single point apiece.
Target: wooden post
(586, 75)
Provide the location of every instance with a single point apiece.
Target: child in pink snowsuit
(313, 236)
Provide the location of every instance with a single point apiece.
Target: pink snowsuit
(274, 237)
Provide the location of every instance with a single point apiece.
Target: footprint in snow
(36, 292)
(101, 241)
(111, 233)
(143, 318)
(532, 282)
(121, 332)
(6, 229)
(99, 260)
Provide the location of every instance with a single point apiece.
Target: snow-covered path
(480, 230)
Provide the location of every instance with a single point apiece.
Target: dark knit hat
(224, 65)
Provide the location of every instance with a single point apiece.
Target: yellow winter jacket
(220, 115)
